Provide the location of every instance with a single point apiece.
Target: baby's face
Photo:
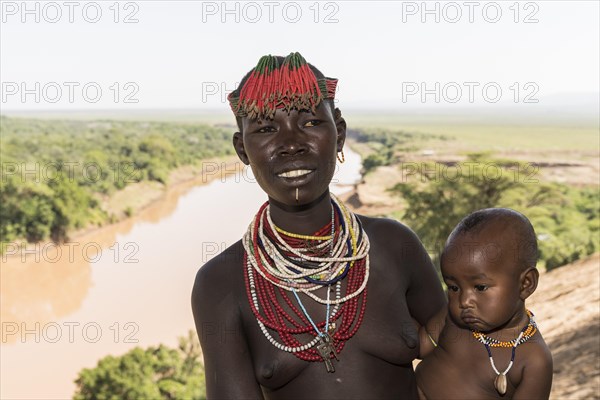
(483, 282)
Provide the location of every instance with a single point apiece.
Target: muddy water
(125, 285)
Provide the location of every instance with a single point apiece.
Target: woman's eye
(312, 122)
(481, 288)
(266, 129)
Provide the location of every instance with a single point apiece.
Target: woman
(314, 301)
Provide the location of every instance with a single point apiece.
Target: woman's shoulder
(224, 269)
(228, 258)
(382, 223)
(387, 230)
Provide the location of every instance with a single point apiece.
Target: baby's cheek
(452, 299)
(453, 307)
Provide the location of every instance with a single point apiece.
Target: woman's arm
(227, 360)
(425, 297)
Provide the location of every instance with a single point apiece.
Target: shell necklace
(500, 382)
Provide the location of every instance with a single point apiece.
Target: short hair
(476, 222)
(280, 59)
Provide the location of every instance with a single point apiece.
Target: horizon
(189, 54)
(581, 109)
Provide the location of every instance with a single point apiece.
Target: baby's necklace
(527, 332)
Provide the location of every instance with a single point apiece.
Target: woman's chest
(376, 328)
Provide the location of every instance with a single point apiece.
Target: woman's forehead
(322, 110)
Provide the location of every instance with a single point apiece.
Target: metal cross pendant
(325, 349)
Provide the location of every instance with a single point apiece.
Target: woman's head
(289, 131)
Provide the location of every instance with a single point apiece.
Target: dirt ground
(372, 196)
(567, 309)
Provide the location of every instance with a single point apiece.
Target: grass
(494, 135)
(473, 132)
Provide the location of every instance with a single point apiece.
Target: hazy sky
(189, 54)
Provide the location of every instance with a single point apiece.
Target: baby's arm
(537, 375)
(429, 333)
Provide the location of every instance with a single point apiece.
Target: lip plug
(296, 195)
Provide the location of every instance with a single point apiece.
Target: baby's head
(488, 264)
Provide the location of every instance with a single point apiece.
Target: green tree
(53, 171)
(153, 373)
(566, 219)
(441, 199)
(71, 206)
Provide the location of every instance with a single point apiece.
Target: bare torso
(459, 367)
(375, 363)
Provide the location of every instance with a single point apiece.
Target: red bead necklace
(275, 309)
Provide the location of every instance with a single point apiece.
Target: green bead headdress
(271, 86)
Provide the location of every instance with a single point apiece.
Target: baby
(486, 343)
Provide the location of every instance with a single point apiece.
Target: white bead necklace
(285, 269)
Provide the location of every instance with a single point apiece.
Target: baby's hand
(426, 343)
(430, 333)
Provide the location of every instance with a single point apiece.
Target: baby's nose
(465, 299)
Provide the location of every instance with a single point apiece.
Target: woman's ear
(238, 145)
(340, 124)
(529, 282)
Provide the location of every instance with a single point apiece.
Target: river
(125, 285)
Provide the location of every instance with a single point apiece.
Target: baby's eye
(311, 123)
(452, 288)
(481, 288)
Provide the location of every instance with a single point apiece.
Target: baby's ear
(529, 282)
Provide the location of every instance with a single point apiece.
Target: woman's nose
(291, 142)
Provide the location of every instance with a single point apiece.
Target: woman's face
(292, 151)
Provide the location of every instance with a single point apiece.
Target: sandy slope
(567, 309)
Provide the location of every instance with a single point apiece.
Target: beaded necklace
(500, 382)
(277, 263)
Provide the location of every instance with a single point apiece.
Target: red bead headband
(271, 86)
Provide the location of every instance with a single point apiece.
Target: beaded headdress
(288, 85)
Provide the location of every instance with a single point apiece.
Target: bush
(153, 373)
(565, 219)
(73, 161)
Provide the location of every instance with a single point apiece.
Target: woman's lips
(297, 176)
(295, 173)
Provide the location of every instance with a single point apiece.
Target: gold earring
(342, 158)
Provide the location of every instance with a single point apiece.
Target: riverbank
(116, 287)
(136, 202)
(134, 198)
